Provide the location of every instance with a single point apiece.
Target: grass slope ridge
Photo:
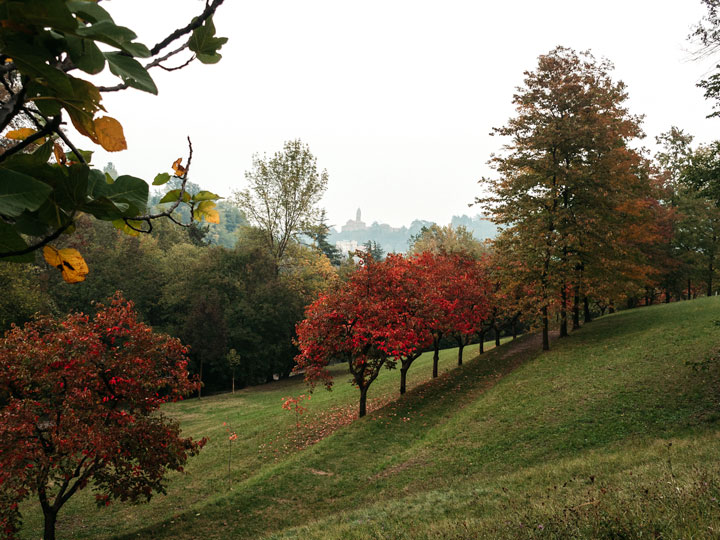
(610, 434)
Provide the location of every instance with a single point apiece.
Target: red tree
(79, 401)
(366, 322)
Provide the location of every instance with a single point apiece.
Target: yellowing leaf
(110, 134)
(178, 168)
(68, 261)
(212, 216)
(206, 210)
(20, 134)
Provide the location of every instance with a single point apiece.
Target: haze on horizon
(396, 99)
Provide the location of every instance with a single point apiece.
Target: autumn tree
(282, 195)
(363, 322)
(48, 48)
(565, 174)
(80, 399)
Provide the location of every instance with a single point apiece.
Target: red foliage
(79, 402)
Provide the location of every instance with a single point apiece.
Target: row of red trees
(390, 311)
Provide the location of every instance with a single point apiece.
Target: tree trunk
(576, 310)
(586, 310)
(50, 520)
(514, 329)
(545, 330)
(710, 277)
(689, 289)
(363, 402)
(403, 377)
(436, 356)
(481, 347)
(497, 336)
(667, 295)
(460, 352)
(233, 381)
(563, 313)
(201, 381)
(611, 307)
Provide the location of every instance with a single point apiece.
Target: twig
(75, 151)
(206, 14)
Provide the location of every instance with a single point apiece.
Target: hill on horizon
(397, 239)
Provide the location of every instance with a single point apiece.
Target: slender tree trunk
(403, 376)
(481, 347)
(563, 312)
(667, 295)
(689, 289)
(460, 352)
(710, 277)
(233, 381)
(514, 329)
(576, 310)
(201, 380)
(545, 330)
(363, 402)
(497, 336)
(50, 521)
(436, 355)
(587, 316)
(611, 307)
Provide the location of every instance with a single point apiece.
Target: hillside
(611, 434)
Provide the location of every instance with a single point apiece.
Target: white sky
(396, 98)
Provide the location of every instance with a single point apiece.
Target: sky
(395, 98)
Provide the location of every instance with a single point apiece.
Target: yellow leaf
(212, 216)
(68, 261)
(20, 134)
(110, 134)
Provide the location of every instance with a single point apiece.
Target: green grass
(609, 435)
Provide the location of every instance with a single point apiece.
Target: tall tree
(282, 195)
(564, 173)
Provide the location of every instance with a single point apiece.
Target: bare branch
(46, 240)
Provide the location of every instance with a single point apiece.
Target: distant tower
(357, 216)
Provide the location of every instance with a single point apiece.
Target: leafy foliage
(79, 404)
(46, 182)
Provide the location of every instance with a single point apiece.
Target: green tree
(282, 195)
(447, 240)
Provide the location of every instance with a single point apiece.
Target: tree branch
(39, 244)
(206, 14)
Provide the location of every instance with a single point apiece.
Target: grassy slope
(608, 435)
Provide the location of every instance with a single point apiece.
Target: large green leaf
(43, 13)
(72, 193)
(89, 11)
(12, 241)
(173, 195)
(120, 37)
(204, 43)
(131, 72)
(85, 54)
(20, 192)
(126, 189)
(105, 209)
(161, 178)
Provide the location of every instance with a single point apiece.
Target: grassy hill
(611, 434)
